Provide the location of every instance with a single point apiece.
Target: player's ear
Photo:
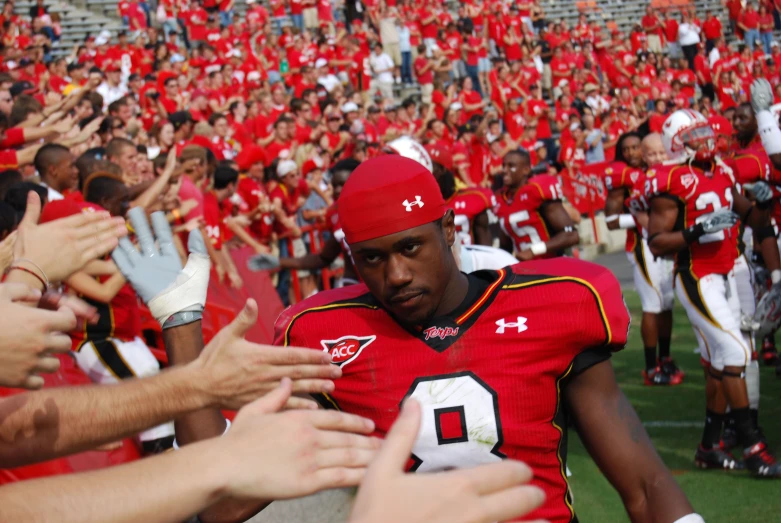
(449, 227)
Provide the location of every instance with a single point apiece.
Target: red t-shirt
(213, 219)
(423, 78)
(711, 28)
(750, 19)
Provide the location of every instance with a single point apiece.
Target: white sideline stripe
(672, 424)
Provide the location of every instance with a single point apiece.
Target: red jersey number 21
(460, 424)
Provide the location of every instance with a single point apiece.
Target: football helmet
(687, 135)
(409, 148)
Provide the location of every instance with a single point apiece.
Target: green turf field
(717, 496)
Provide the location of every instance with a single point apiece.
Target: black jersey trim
(364, 301)
(526, 280)
(561, 451)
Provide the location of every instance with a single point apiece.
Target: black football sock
(664, 348)
(650, 358)
(711, 435)
(729, 421)
(157, 446)
(754, 416)
(748, 436)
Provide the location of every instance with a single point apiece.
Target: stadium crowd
(233, 133)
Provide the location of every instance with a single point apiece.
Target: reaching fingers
(335, 440)
(79, 307)
(496, 476)
(122, 260)
(58, 343)
(295, 356)
(303, 371)
(338, 477)
(400, 438)
(47, 365)
(296, 403)
(146, 239)
(84, 225)
(339, 421)
(245, 320)
(33, 383)
(344, 457)
(32, 212)
(130, 251)
(61, 320)
(511, 503)
(195, 243)
(165, 238)
(313, 386)
(10, 292)
(271, 402)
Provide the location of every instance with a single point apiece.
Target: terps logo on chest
(346, 349)
(440, 332)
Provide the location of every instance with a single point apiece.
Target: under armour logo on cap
(408, 205)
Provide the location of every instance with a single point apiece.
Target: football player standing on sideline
(533, 219)
(691, 216)
(650, 272)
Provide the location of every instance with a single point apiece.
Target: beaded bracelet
(28, 271)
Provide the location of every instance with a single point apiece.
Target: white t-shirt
(480, 257)
(380, 62)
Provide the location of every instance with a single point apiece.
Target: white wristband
(227, 426)
(538, 248)
(626, 221)
(767, 126)
(775, 276)
(691, 518)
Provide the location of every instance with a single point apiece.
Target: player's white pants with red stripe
(112, 360)
(744, 279)
(653, 279)
(713, 308)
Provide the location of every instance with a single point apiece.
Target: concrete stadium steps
(77, 23)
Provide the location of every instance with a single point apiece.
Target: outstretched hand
(234, 371)
(495, 492)
(270, 455)
(157, 274)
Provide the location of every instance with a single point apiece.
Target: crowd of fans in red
(221, 90)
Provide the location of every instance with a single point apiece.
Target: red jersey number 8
(459, 426)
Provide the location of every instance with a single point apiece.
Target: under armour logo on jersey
(502, 324)
(459, 205)
(408, 205)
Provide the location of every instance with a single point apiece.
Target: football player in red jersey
(333, 246)
(472, 205)
(651, 275)
(750, 163)
(479, 352)
(530, 212)
(691, 217)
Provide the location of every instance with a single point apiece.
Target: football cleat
(769, 353)
(658, 376)
(716, 458)
(669, 366)
(761, 462)
(729, 439)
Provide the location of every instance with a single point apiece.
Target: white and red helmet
(409, 148)
(686, 135)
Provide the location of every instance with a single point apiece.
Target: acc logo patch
(346, 349)
(687, 180)
(651, 173)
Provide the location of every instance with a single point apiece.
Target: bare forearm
(563, 240)
(123, 493)
(184, 344)
(38, 426)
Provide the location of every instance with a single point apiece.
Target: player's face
(516, 171)
(744, 123)
(338, 180)
(408, 272)
(630, 148)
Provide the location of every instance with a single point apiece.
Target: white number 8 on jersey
(459, 425)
